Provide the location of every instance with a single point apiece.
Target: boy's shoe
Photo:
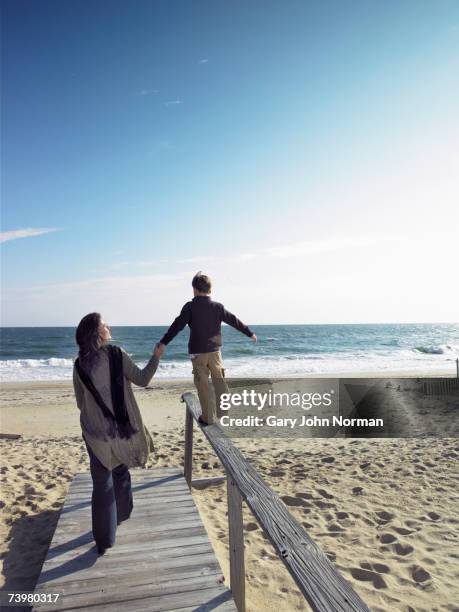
(202, 421)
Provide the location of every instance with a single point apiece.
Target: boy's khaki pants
(202, 365)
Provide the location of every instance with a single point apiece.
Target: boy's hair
(201, 282)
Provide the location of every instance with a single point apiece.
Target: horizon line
(250, 325)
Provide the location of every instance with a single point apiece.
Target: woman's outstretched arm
(138, 376)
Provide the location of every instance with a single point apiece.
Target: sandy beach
(384, 510)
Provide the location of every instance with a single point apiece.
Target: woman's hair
(88, 339)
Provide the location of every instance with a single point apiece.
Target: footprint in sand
(403, 549)
(321, 504)
(419, 574)
(305, 495)
(403, 531)
(293, 501)
(368, 576)
(266, 556)
(251, 526)
(325, 493)
(328, 459)
(284, 462)
(433, 516)
(384, 516)
(342, 515)
(387, 538)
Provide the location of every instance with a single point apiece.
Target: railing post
(188, 463)
(236, 544)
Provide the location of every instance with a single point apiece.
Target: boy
(204, 317)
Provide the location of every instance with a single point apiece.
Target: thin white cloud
(26, 233)
(323, 246)
(149, 92)
(120, 298)
(203, 61)
(173, 102)
(283, 251)
(106, 285)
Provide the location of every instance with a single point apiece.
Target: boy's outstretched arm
(232, 320)
(178, 324)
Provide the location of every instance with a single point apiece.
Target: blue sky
(300, 148)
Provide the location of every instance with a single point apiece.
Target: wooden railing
(322, 585)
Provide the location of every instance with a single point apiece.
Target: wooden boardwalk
(162, 559)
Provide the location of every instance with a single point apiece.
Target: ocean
(47, 353)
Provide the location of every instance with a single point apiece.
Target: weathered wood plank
(189, 564)
(66, 571)
(91, 583)
(203, 483)
(236, 545)
(162, 559)
(166, 499)
(201, 599)
(188, 463)
(204, 600)
(130, 545)
(321, 583)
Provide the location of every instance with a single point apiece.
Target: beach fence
(322, 585)
(440, 386)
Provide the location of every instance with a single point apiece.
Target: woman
(111, 423)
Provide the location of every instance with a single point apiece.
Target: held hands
(159, 350)
(253, 338)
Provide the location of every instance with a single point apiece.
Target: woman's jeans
(111, 499)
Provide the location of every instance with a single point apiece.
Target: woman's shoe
(101, 550)
(122, 521)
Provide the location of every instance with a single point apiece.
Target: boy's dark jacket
(204, 317)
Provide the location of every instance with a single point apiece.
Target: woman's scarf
(119, 423)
